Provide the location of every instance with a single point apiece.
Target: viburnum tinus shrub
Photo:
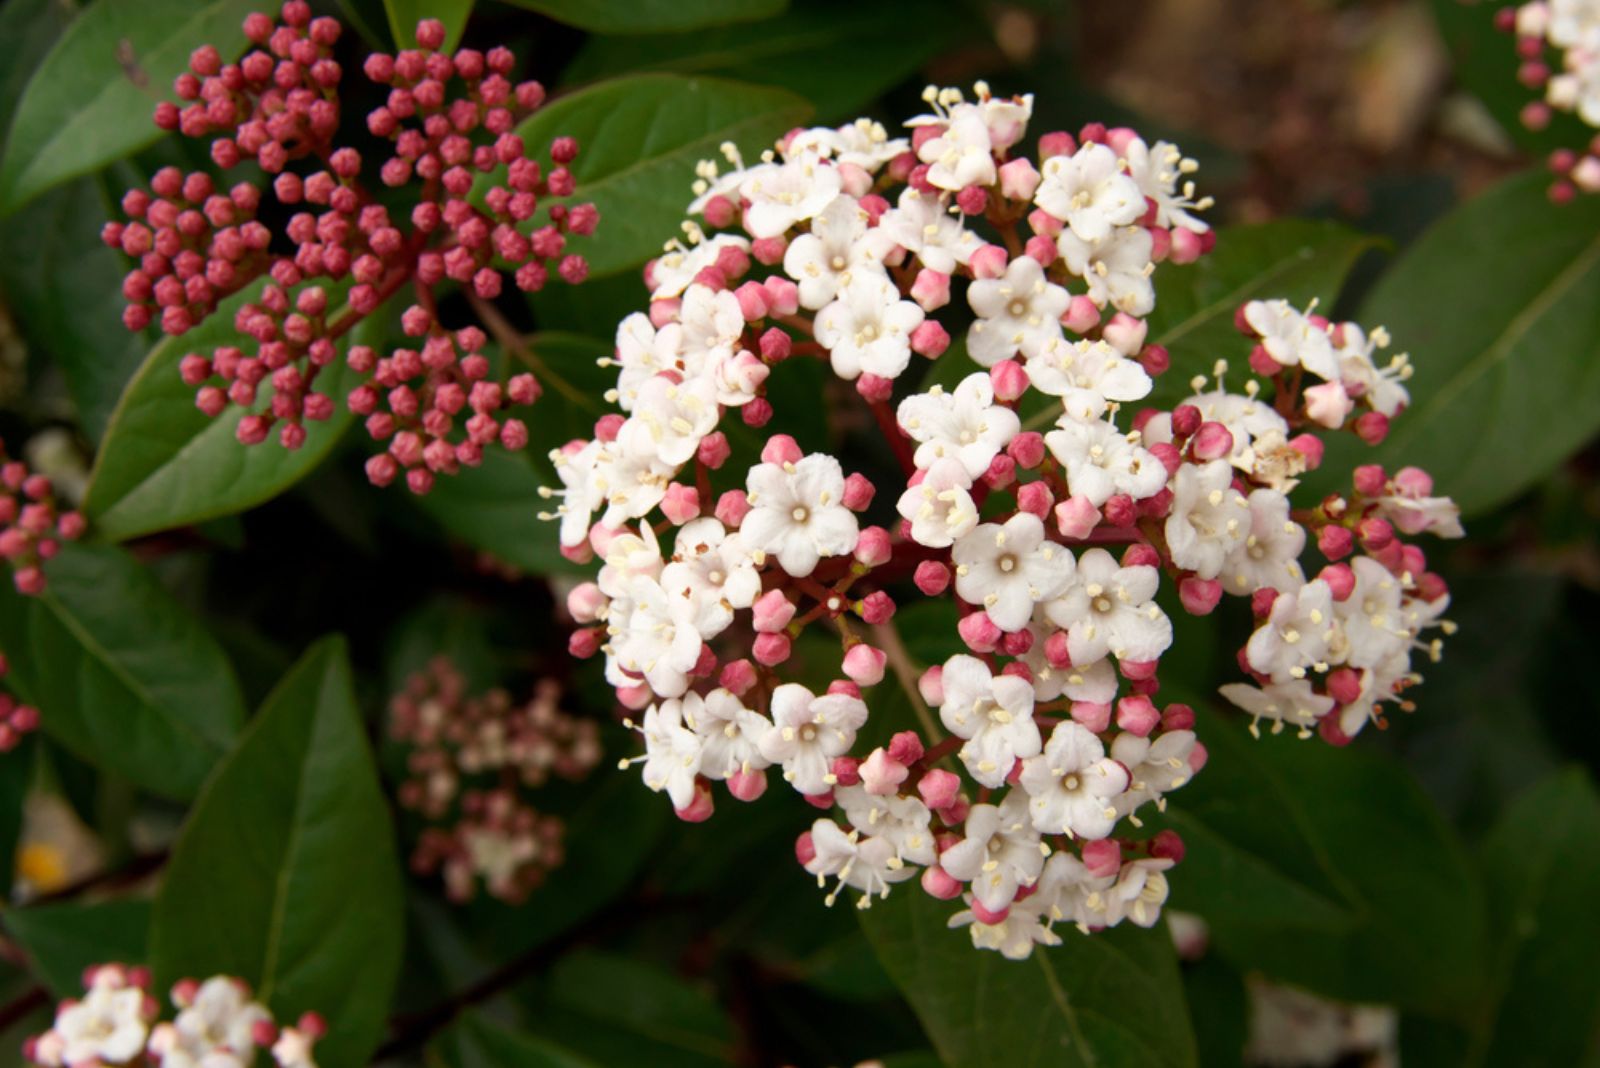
(454, 199)
(1036, 487)
(1558, 42)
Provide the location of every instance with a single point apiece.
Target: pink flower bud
(1081, 315)
(875, 389)
(1167, 845)
(1137, 715)
(876, 608)
(973, 200)
(714, 450)
(989, 261)
(1056, 143)
(1328, 404)
(635, 698)
(664, 311)
(1212, 441)
(858, 492)
(1103, 857)
(864, 664)
(582, 644)
(1027, 449)
(1177, 717)
(940, 884)
(985, 916)
(1199, 596)
(1119, 510)
(1035, 498)
(781, 449)
(585, 601)
(931, 685)
(1009, 380)
(1372, 427)
(1042, 249)
(738, 676)
(846, 771)
(929, 339)
(770, 649)
(1376, 534)
(681, 503)
(1186, 246)
(752, 297)
(805, 851)
(931, 577)
(1125, 333)
(1341, 579)
(905, 747)
(938, 788)
(881, 774)
(979, 632)
(931, 290)
(1076, 517)
(783, 296)
(1019, 179)
(699, 809)
(732, 507)
(769, 250)
(1335, 542)
(1370, 480)
(1310, 446)
(747, 784)
(1001, 473)
(873, 547)
(771, 612)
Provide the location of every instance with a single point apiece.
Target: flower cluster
(1027, 492)
(474, 207)
(1558, 42)
(32, 525)
(470, 761)
(217, 1024)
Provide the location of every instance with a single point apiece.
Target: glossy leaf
(640, 139)
(1328, 869)
(286, 874)
(475, 1041)
(62, 940)
(1496, 305)
(651, 16)
(164, 463)
(121, 674)
(91, 99)
(27, 30)
(495, 507)
(867, 53)
(405, 14)
(1112, 997)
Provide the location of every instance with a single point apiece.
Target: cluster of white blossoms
(1558, 42)
(745, 606)
(217, 1026)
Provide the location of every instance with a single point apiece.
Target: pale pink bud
(585, 602)
(881, 774)
(783, 296)
(1137, 715)
(1102, 857)
(873, 547)
(1186, 246)
(805, 850)
(1328, 404)
(857, 181)
(1341, 579)
(939, 788)
(956, 811)
(1001, 473)
(1413, 482)
(938, 883)
(732, 507)
(769, 250)
(714, 450)
(1370, 480)
(931, 577)
(858, 492)
(929, 339)
(1009, 380)
(681, 504)
(931, 290)
(1125, 333)
(1197, 758)
(1027, 449)
(1081, 315)
(1057, 652)
(771, 612)
(1093, 715)
(1177, 717)
(1057, 143)
(636, 698)
(1212, 441)
(875, 389)
(664, 311)
(1199, 596)
(1372, 427)
(1042, 249)
(1141, 555)
(876, 608)
(985, 916)
(1138, 670)
(1076, 517)
(781, 449)
(747, 784)
(699, 809)
(864, 664)
(931, 685)
(752, 297)
(1043, 224)
(989, 261)
(979, 632)
(1310, 446)
(737, 677)
(770, 649)
(1035, 498)
(1019, 179)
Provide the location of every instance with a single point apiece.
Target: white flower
(782, 195)
(218, 1028)
(676, 268)
(1018, 312)
(1008, 568)
(629, 555)
(1088, 372)
(710, 319)
(1439, 516)
(642, 352)
(1295, 635)
(939, 507)
(962, 155)
(869, 864)
(106, 1026)
(1258, 432)
(1294, 702)
(1158, 170)
(808, 731)
(633, 480)
(669, 419)
(1270, 554)
(867, 329)
(730, 734)
(838, 247)
(1111, 609)
(864, 143)
(1139, 892)
(1209, 519)
(966, 424)
(1116, 267)
(1001, 852)
(1373, 629)
(583, 490)
(1013, 937)
(1090, 192)
(923, 225)
(1101, 461)
(672, 750)
(657, 640)
(993, 713)
(902, 821)
(1094, 682)
(1291, 338)
(1361, 376)
(293, 1049)
(796, 513)
(1072, 783)
(1156, 765)
(714, 571)
(1067, 891)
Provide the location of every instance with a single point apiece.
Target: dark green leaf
(1505, 345)
(1327, 868)
(405, 14)
(285, 874)
(477, 1042)
(495, 507)
(62, 940)
(651, 16)
(1108, 998)
(16, 776)
(164, 463)
(27, 30)
(867, 51)
(641, 137)
(1218, 1007)
(121, 674)
(91, 99)
(1544, 879)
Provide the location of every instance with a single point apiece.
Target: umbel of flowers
(475, 209)
(1034, 491)
(1558, 43)
(217, 1025)
(470, 763)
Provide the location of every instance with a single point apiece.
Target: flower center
(800, 514)
(1017, 308)
(808, 732)
(837, 263)
(1070, 782)
(1007, 563)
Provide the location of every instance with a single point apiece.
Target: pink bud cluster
(1033, 492)
(471, 761)
(16, 719)
(114, 1024)
(479, 207)
(1559, 49)
(32, 525)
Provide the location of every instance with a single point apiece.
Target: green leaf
(1108, 998)
(495, 507)
(91, 99)
(121, 674)
(1327, 868)
(475, 1041)
(1506, 346)
(285, 874)
(867, 51)
(640, 139)
(651, 16)
(62, 940)
(16, 776)
(67, 295)
(164, 463)
(405, 14)
(1544, 878)
(27, 30)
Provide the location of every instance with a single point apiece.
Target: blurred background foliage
(1444, 866)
